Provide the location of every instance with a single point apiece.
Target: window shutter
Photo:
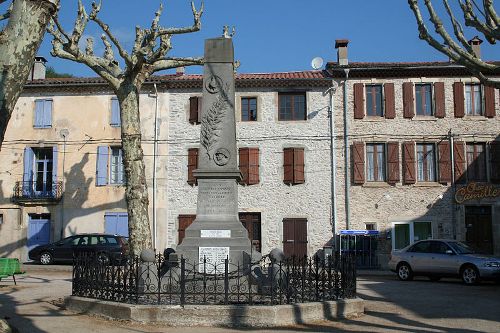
(288, 165)
(288, 237)
(458, 99)
(300, 238)
(115, 113)
(408, 107)
(444, 162)
(298, 166)
(460, 162)
(244, 165)
(393, 162)
(253, 166)
(184, 222)
(47, 113)
(29, 157)
(440, 104)
(54, 165)
(192, 165)
(194, 109)
(495, 161)
(38, 117)
(358, 157)
(390, 104)
(489, 101)
(359, 106)
(409, 162)
(102, 166)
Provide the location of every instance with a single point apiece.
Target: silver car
(443, 258)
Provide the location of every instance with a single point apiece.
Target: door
(419, 256)
(295, 237)
(43, 172)
(116, 224)
(422, 231)
(442, 261)
(401, 235)
(38, 230)
(251, 222)
(63, 250)
(478, 223)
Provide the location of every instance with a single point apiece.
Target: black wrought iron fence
(263, 283)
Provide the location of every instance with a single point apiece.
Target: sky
(271, 35)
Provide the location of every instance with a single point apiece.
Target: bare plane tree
(19, 43)
(483, 19)
(148, 55)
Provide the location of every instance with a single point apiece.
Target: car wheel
(103, 259)
(404, 272)
(470, 275)
(434, 278)
(46, 258)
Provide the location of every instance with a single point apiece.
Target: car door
(418, 256)
(63, 250)
(444, 261)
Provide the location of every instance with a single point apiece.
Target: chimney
(39, 69)
(341, 46)
(475, 43)
(180, 70)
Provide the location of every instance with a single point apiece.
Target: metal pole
(61, 236)
(333, 168)
(453, 184)
(346, 154)
(155, 152)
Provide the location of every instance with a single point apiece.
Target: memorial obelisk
(217, 233)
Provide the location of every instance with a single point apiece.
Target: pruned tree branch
(461, 52)
(195, 27)
(490, 27)
(6, 15)
(168, 63)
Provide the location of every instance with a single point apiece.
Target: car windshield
(461, 248)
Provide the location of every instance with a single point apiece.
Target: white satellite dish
(317, 63)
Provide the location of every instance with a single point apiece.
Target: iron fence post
(226, 280)
(183, 281)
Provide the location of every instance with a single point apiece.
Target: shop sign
(475, 191)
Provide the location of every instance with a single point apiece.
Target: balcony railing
(33, 191)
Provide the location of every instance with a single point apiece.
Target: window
(251, 222)
(184, 222)
(422, 247)
(116, 223)
(43, 113)
(192, 165)
(110, 166)
(249, 165)
(115, 113)
(292, 106)
(426, 162)
(40, 172)
(423, 99)
(1, 219)
(439, 247)
(375, 162)
(374, 104)
(476, 162)
(293, 165)
(473, 100)
(370, 226)
(195, 104)
(406, 233)
(248, 109)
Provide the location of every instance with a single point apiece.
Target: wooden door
(479, 234)
(295, 237)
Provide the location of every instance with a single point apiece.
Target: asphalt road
(391, 306)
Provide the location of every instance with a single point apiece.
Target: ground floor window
(116, 223)
(295, 237)
(406, 233)
(251, 221)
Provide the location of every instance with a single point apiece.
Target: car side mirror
(450, 252)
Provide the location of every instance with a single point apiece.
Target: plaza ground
(391, 306)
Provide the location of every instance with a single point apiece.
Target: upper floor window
(292, 106)
(195, 104)
(110, 166)
(293, 165)
(375, 162)
(374, 99)
(40, 171)
(248, 109)
(249, 165)
(473, 100)
(426, 162)
(192, 165)
(423, 99)
(116, 173)
(43, 113)
(476, 162)
(115, 113)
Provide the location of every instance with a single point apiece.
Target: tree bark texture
(136, 193)
(19, 43)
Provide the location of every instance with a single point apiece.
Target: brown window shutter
(192, 165)
(393, 162)
(298, 166)
(288, 165)
(444, 162)
(440, 104)
(244, 165)
(358, 158)
(409, 162)
(390, 104)
(495, 161)
(489, 101)
(359, 105)
(295, 237)
(459, 159)
(458, 99)
(253, 166)
(289, 237)
(184, 222)
(194, 104)
(408, 107)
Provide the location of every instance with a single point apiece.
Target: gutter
(346, 155)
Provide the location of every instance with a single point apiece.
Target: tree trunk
(19, 43)
(137, 191)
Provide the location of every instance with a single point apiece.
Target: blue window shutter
(38, 121)
(116, 224)
(122, 227)
(54, 165)
(102, 166)
(29, 156)
(47, 113)
(115, 112)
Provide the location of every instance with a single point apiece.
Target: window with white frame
(110, 166)
(116, 175)
(473, 100)
(406, 233)
(375, 162)
(426, 162)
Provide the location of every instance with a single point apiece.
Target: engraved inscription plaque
(215, 257)
(217, 198)
(215, 233)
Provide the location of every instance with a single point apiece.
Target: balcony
(32, 192)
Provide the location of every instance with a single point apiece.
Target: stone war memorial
(214, 277)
